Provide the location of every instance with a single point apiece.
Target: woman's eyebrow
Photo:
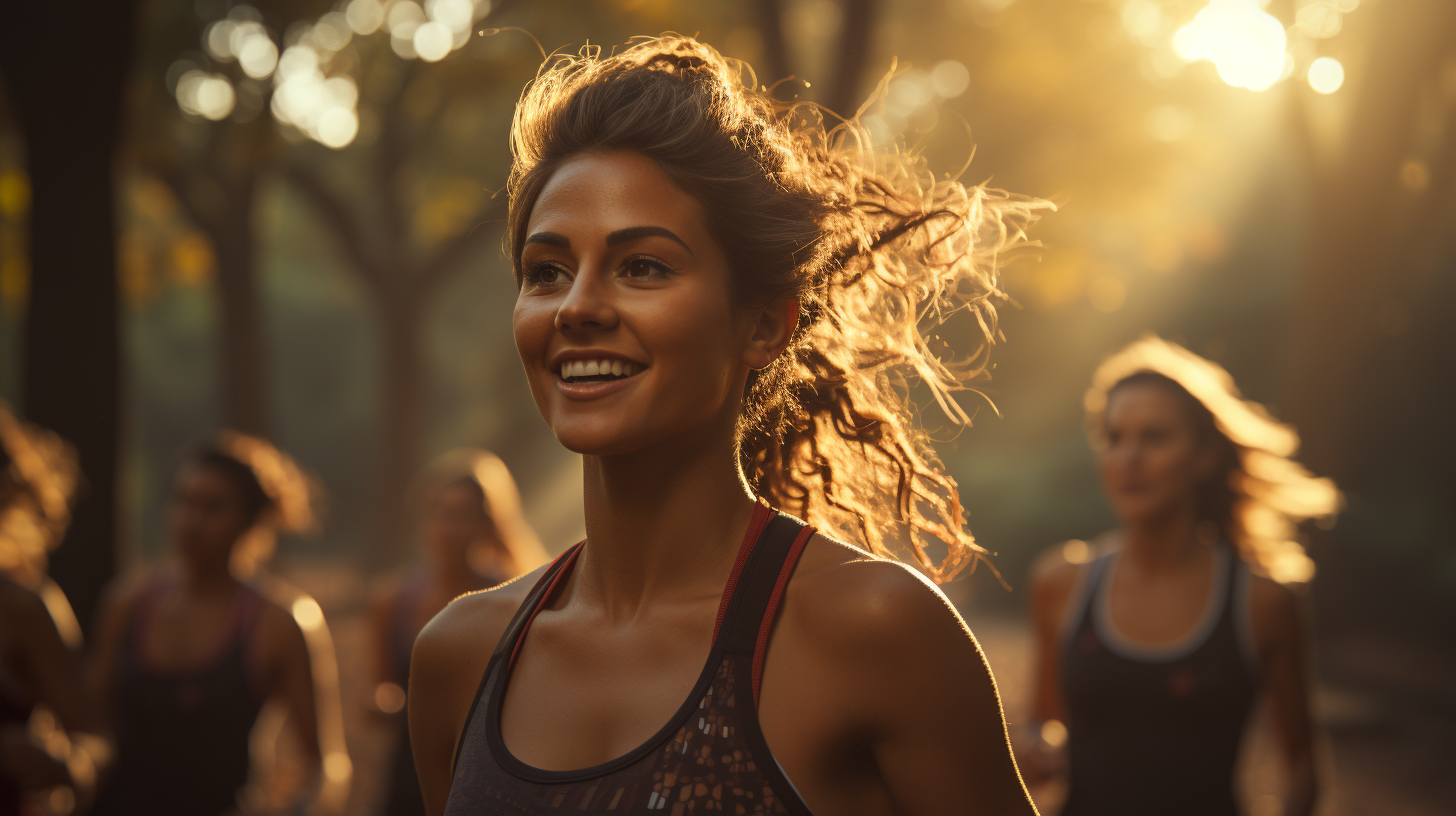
(633, 233)
(550, 239)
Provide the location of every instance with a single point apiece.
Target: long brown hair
(486, 474)
(1257, 494)
(876, 250)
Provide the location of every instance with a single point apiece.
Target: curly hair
(1257, 494)
(877, 252)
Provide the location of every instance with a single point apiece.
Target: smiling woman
(721, 307)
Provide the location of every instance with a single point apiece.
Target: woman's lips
(584, 391)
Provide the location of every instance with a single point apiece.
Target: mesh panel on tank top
(710, 757)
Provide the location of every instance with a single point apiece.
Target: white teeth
(572, 369)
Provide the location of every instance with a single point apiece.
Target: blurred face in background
(455, 523)
(624, 320)
(208, 517)
(1154, 459)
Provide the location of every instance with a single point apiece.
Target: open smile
(588, 378)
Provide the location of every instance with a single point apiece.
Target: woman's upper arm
(939, 734)
(54, 672)
(1279, 630)
(289, 672)
(1052, 582)
(449, 660)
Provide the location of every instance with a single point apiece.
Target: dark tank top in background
(1156, 730)
(709, 756)
(182, 736)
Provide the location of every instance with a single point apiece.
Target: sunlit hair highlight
(876, 250)
(1259, 494)
(38, 477)
(502, 501)
(277, 493)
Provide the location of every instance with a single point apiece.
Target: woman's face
(1154, 461)
(624, 320)
(455, 520)
(207, 516)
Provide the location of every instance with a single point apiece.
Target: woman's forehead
(595, 194)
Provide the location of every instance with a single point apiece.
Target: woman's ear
(773, 328)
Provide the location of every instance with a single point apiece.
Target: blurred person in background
(52, 743)
(475, 537)
(1154, 641)
(188, 654)
(719, 303)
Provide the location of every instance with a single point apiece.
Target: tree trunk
(70, 111)
(244, 383)
(1355, 239)
(850, 57)
(401, 403)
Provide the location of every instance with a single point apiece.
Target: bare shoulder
(1275, 611)
(474, 622)
(1054, 572)
(857, 604)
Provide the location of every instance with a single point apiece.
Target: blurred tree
(402, 256)
(70, 111)
(214, 170)
(1380, 195)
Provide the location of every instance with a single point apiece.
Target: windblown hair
(1257, 494)
(488, 476)
(38, 477)
(877, 252)
(277, 496)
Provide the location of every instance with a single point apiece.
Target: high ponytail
(876, 250)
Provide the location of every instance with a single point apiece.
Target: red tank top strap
(558, 570)
(766, 625)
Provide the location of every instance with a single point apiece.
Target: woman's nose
(587, 306)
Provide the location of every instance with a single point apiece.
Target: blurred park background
(285, 217)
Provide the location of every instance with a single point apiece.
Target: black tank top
(182, 737)
(710, 755)
(1156, 730)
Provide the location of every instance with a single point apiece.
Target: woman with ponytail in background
(187, 657)
(1155, 640)
(720, 307)
(474, 537)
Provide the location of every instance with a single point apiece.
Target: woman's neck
(205, 579)
(1163, 541)
(664, 522)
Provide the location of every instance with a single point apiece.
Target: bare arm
(51, 675)
(1279, 630)
(449, 660)
(893, 668)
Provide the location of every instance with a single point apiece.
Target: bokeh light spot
(308, 614)
(364, 16)
(1414, 175)
(950, 79)
(1326, 75)
(432, 41)
(1244, 43)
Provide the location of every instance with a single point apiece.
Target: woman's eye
(640, 267)
(544, 274)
